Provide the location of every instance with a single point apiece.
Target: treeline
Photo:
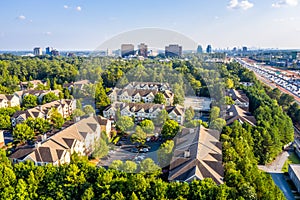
(240, 164)
(80, 180)
(274, 127)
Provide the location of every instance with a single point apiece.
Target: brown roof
(205, 156)
(237, 113)
(238, 95)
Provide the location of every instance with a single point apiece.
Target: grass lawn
(292, 159)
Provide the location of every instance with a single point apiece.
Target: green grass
(292, 159)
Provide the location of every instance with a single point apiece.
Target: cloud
(48, 33)
(78, 8)
(242, 5)
(285, 3)
(21, 17)
(66, 6)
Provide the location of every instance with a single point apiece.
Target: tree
(229, 83)
(101, 98)
(116, 165)
(218, 124)
(159, 98)
(125, 123)
(214, 113)
(5, 122)
(22, 133)
(228, 100)
(139, 136)
(100, 149)
(164, 153)
(161, 118)
(41, 126)
(129, 166)
(89, 110)
(29, 101)
(78, 113)
(170, 129)
(56, 119)
(49, 97)
(189, 114)
(147, 126)
(286, 99)
(148, 166)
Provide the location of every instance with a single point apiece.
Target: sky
(86, 24)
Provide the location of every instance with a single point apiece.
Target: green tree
(5, 122)
(170, 129)
(164, 153)
(228, 100)
(148, 166)
(22, 133)
(56, 119)
(214, 113)
(89, 110)
(29, 101)
(125, 123)
(189, 114)
(41, 126)
(159, 98)
(49, 97)
(147, 126)
(129, 166)
(78, 113)
(139, 136)
(100, 149)
(161, 118)
(217, 124)
(117, 165)
(229, 83)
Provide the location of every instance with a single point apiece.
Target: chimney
(44, 137)
(187, 153)
(37, 144)
(230, 113)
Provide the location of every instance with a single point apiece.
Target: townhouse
(239, 97)
(64, 106)
(9, 101)
(38, 93)
(141, 111)
(148, 86)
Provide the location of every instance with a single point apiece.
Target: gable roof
(238, 95)
(237, 113)
(204, 159)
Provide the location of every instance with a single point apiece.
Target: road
(274, 169)
(280, 181)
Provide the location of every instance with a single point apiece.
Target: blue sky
(85, 24)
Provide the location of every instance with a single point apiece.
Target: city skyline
(83, 25)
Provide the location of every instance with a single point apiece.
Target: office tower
(209, 49)
(245, 49)
(143, 50)
(127, 50)
(173, 50)
(109, 52)
(37, 51)
(49, 50)
(199, 49)
(55, 52)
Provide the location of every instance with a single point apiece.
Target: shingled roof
(237, 113)
(197, 155)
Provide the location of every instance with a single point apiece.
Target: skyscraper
(173, 50)
(199, 49)
(245, 49)
(143, 50)
(49, 50)
(37, 51)
(209, 49)
(127, 50)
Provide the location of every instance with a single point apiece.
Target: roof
(296, 169)
(238, 95)
(237, 113)
(204, 157)
(148, 85)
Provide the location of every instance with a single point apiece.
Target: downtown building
(127, 50)
(173, 50)
(143, 50)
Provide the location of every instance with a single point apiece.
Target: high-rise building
(109, 52)
(143, 50)
(245, 49)
(209, 49)
(37, 51)
(173, 50)
(55, 52)
(49, 50)
(127, 50)
(199, 49)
